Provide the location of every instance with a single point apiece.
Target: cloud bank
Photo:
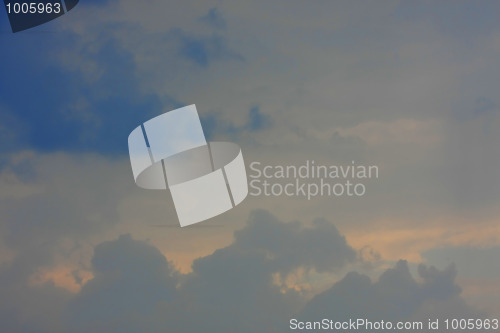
(134, 288)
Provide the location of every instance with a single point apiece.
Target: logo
(205, 179)
(311, 179)
(28, 14)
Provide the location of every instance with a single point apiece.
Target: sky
(411, 87)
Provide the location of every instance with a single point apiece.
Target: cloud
(401, 131)
(368, 70)
(383, 73)
(88, 97)
(233, 289)
(290, 246)
(131, 278)
(203, 50)
(11, 130)
(63, 113)
(50, 197)
(474, 109)
(135, 288)
(472, 261)
(214, 19)
(395, 296)
(24, 307)
(472, 21)
(50, 209)
(256, 121)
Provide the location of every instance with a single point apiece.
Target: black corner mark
(31, 13)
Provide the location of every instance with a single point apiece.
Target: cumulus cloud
(134, 287)
(231, 290)
(395, 296)
(131, 278)
(288, 246)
